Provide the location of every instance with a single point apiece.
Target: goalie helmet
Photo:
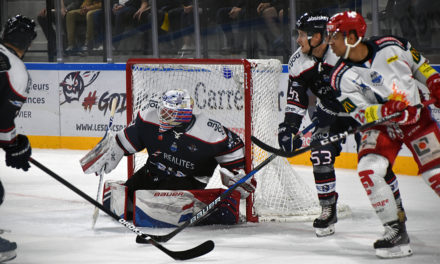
(20, 32)
(174, 109)
(346, 22)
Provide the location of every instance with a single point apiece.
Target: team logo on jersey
(177, 135)
(192, 148)
(376, 78)
(425, 148)
(173, 147)
(348, 105)
(415, 54)
(216, 126)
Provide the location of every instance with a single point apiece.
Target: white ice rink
(52, 224)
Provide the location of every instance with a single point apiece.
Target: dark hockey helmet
(19, 31)
(347, 21)
(312, 22)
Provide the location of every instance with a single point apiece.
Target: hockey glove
(229, 179)
(18, 153)
(433, 84)
(286, 133)
(104, 157)
(409, 116)
(323, 116)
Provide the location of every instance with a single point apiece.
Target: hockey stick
(202, 214)
(195, 252)
(332, 139)
(101, 173)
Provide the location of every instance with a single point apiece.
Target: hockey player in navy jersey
(373, 79)
(17, 36)
(309, 70)
(184, 148)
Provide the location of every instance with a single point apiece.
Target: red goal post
(243, 96)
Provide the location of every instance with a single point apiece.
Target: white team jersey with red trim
(389, 73)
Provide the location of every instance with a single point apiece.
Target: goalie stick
(195, 252)
(101, 173)
(202, 214)
(332, 139)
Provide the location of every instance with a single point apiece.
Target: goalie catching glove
(104, 157)
(229, 178)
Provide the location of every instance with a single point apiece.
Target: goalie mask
(174, 109)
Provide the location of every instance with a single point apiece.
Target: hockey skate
(395, 241)
(7, 250)
(325, 224)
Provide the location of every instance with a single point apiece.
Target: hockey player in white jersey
(184, 148)
(14, 87)
(309, 70)
(373, 79)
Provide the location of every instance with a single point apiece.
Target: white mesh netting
(218, 88)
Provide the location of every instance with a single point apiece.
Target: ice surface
(52, 224)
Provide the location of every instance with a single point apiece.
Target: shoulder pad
(299, 62)
(385, 41)
(4, 62)
(149, 115)
(207, 129)
(338, 71)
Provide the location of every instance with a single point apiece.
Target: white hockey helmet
(175, 108)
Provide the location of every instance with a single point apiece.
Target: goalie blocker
(169, 208)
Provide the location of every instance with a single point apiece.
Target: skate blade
(323, 232)
(394, 252)
(8, 255)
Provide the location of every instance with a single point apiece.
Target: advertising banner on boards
(73, 100)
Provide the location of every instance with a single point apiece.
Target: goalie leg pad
(114, 198)
(171, 208)
(372, 169)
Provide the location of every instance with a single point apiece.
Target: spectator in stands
(123, 16)
(46, 26)
(144, 15)
(227, 17)
(181, 22)
(272, 13)
(84, 13)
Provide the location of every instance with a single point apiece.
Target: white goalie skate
(395, 242)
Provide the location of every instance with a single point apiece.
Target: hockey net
(243, 96)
